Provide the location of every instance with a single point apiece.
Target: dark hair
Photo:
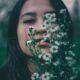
(16, 58)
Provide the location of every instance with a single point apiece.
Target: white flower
(53, 25)
(47, 58)
(53, 15)
(71, 62)
(46, 24)
(68, 58)
(46, 76)
(31, 26)
(48, 15)
(56, 28)
(58, 36)
(35, 76)
(54, 19)
(65, 43)
(57, 43)
(61, 73)
(62, 25)
(40, 56)
(45, 38)
(28, 42)
(56, 63)
(73, 77)
(63, 34)
(46, 35)
(72, 46)
(54, 49)
(31, 29)
(51, 30)
(62, 11)
(71, 53)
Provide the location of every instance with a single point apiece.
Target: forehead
(36, 6)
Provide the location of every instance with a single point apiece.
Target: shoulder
(4, 73)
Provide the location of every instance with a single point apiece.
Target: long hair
(17, 60)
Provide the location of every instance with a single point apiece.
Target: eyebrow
(49, 12)
(33, 14)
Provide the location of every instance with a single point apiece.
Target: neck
(31, 67)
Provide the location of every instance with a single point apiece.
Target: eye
(29, 21)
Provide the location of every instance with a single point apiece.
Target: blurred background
(6, 7)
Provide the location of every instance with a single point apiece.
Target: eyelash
(30, 21)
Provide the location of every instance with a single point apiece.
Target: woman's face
(31, 15)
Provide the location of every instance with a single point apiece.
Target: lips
(43, 44)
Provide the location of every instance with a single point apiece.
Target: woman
(26, 13)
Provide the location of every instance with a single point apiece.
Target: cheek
(22, 33)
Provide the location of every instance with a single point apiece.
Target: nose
(38, 30)
(38, 27)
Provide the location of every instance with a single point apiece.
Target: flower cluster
(46, 57)
(59, 63)
(44, 76)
